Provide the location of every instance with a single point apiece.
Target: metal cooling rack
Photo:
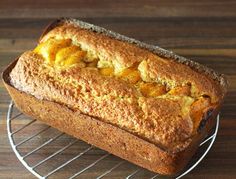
(14, 118)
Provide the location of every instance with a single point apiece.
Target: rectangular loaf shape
(137, 101)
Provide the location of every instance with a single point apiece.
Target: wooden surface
(204, 31)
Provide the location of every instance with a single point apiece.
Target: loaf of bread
(139, 102)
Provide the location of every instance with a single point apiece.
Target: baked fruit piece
(157, 100)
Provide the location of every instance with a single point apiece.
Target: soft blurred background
(203, 30)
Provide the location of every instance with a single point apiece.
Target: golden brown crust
(158, 120)
(163, 120)
(104, 135)
(179, 74)
(122, 54)
(161, 125)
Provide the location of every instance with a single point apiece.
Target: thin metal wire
(209, 141)
(16, 116)
(155, 176)
(54, 154)
(69, 161)
(9, 129)
(21, 128)
(41, 146)
(110, 170)
(132, 174)
(88, 167)
(32, 136)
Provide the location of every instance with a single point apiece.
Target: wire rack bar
(54, 154)
(69, 161)
(208, 141)
(155, 176)
(32, 136)
(41, 146)
(9, 114)
(23, 127)
(16, 116)
(134, 173)
(88, 167)
(110, 170)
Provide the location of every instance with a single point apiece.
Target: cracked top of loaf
(155, 98)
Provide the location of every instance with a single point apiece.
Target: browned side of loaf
(104, 135)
